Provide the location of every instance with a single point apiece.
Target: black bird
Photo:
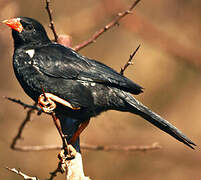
(88, 85)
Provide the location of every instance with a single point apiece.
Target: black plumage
(83, 82)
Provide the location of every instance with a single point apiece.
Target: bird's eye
(28, 27)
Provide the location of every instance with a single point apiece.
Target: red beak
(14, 23)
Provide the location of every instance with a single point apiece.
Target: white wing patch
(93, 84)
(30, 52)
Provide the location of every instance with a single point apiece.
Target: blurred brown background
(167, 65)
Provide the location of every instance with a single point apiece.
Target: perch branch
(129, 62)
(51, 25)
(107, 27)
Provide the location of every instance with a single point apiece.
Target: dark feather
(61, 62)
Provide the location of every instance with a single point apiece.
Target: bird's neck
(28, 40)
(34, 44)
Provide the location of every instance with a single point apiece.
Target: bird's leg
(68, 148)
(79, 131)
(47, 102)
(62, 157)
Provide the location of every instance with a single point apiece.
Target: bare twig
(154, 146)
(52, 27)
(34, 107)
(36, 148)
(129, 62)
(107, 27)
(63, 137)
(18, 172)
(183, 52)
(21, 128)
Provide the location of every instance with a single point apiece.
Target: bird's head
(27, 31)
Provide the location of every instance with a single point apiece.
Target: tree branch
(22, 126)
(154, 146)
(34, 107)
(18, 172)
(129, 62)
(131, 148)
(107, 27)
(51, 25)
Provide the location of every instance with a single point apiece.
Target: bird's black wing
(61, 62)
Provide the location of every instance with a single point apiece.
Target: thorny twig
(18, 172)
(34, 107)
(22, 126)
(52, 27)
(129, 62)
(107, 27)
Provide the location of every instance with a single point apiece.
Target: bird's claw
(46, 104)
(71, 153)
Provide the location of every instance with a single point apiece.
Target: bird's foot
(64, 156)
(67, 153)
(46, 104)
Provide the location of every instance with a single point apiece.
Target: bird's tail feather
(141, 110)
